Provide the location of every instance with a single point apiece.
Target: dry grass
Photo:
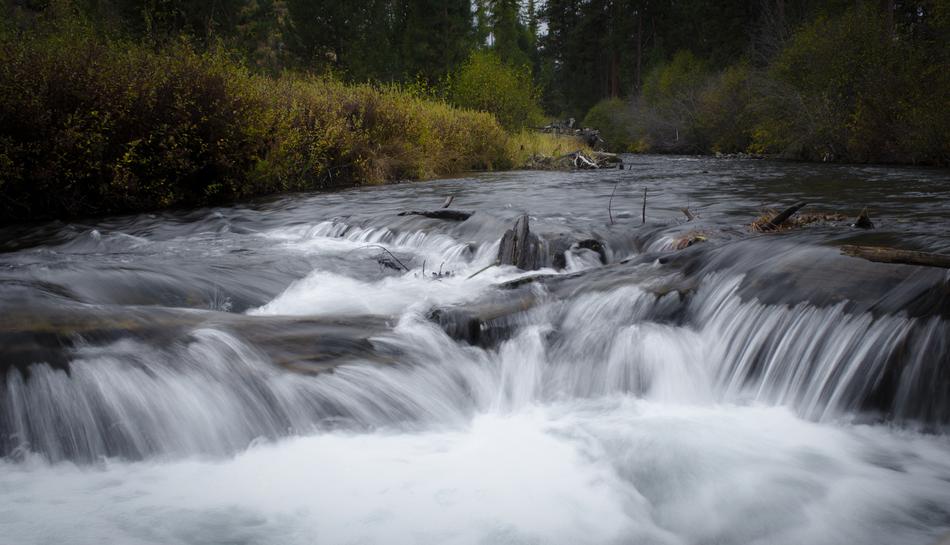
(524, 147)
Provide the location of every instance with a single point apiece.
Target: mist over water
(269, 374)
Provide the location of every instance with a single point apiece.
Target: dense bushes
(95, 126)
(487, 84)
(847, 88)
(614, 119)
(855, 91)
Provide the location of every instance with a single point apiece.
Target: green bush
(725, 116)
(668, 114)
(614, 118)
(487, 84)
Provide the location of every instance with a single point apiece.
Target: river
(316, 368)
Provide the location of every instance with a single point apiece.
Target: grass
(522, 147)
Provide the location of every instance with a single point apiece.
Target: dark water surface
(268, 373)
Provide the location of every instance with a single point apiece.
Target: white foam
(614, 470)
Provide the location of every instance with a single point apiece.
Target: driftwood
(777, 221)
(443, 214)
(488, 321)
(56, 336)
(882, 254)
(520, 247)
(448, 201)
(787, 213)
(576, 160)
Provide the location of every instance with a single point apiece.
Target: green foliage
(614, 118)
(668, 114)
(677, 82)
(725, 113)
(848, 89)
(485, 83)
(89, 126)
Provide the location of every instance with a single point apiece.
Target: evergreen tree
(436, 36)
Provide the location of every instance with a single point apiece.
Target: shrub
(614, 118)
(91, 126)
(487, 84)
(725, 114)
(668, 114)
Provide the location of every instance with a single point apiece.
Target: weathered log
(488, 321)
(53, 336)
(883, 254)
(782, 217)
(605, 159)
(520, 247)
(443, 214)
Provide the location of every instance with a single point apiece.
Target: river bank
(91, 126)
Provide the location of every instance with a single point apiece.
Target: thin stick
(480, 271)
(401, 264)
(644, 219)
(448, 201)
(610, 202)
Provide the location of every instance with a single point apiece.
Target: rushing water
(269, 374)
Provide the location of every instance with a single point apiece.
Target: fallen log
(883, 254)
(56, 335)
(777, 221)
(443, 214)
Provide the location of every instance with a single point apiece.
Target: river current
(317, 368)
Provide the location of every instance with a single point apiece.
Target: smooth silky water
(267, 374)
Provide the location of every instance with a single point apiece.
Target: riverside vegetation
(821, 81)
(118, 105)
(91, 125)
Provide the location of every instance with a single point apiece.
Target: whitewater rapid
(611, 470)
(648, 402)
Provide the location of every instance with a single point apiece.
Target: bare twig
(483, 269)
(610, 202)
(644, 217)
(396, 259)
(448, 201)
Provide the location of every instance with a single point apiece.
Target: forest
(111, 105)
